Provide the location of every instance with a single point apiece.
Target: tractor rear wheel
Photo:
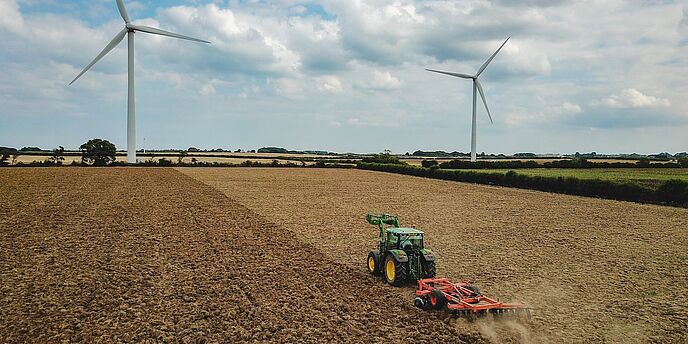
(429, 269)
(373, 263)
(394, 271)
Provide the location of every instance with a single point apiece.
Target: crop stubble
(594, 270)
(105, 255)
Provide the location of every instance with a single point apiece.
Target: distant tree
(182, 155)
(15, 156)
(194, 160)
(58, 156)
(193, 149)
(579, 161)
(643, 162)
(30, 149)
(273, 150)
(98, 152)
(237, 151)
(683, 161)
(5, 153)
(383, 158)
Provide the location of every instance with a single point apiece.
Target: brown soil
(132, 255)
(594, 270)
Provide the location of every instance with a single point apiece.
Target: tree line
(96, 152)
(582, 163)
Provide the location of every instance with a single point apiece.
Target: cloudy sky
(348, 75)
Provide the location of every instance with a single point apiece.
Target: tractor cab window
(411, 242)
(393, 239)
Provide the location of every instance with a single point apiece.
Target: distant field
(643, 176)
(419, 161)
(256, 157)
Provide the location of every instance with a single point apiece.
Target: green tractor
(400, 256)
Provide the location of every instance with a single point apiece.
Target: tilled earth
(593, 270)
(144, 255)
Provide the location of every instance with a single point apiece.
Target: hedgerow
(672, 192)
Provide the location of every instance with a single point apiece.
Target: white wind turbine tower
(129, 30)
(477, 87)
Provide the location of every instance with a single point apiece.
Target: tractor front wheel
(373, 262)
(395, 272)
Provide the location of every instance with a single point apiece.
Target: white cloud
(208, 90)
(371, 121)
(683, 24)
(571, 108)
(379, 80)
(10, 17)
(289, 88)
(632, 98)
(329, 83)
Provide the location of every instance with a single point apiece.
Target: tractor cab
(407, 239)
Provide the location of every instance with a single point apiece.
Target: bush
(673, 192)
(383, 158)
(429, 163)
(466, 164)
(58, 156)
(683, 161)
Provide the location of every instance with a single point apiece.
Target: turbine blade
(458, 75)
(107, 49)
(482, 68)
(123, 11)
(155, 31)
(482, 95)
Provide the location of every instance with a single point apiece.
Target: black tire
(376, 271)
(436, 299)
(399, 271)
(429, 269)
(474, 289)
(475, 292)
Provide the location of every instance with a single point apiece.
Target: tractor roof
(404, 231)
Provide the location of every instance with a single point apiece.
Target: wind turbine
(477, 87)
(129, 30)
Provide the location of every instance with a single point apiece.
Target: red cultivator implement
(461, 299)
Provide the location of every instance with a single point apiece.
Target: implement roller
(461, 299)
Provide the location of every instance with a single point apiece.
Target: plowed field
(145, 255)
(594, 270)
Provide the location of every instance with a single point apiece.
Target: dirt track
(150, 254)
(596, 270)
